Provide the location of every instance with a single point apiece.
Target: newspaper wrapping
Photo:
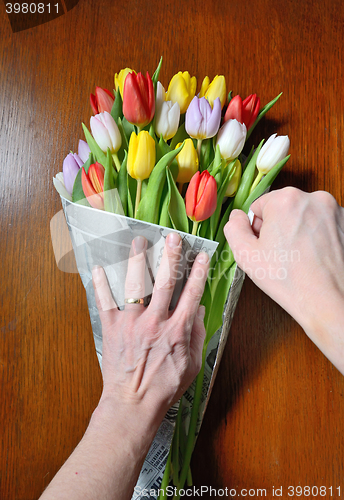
(104, 239)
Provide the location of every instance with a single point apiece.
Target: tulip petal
(83, 150)
(213, 123)
(234, 110)
(100, 133)
(207, 201)
(70, 170)
(191, 195)
(104, 100)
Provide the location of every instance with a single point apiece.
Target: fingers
(166, 277)
(104, 299)
(135, 279)
(197, 339)
(191, 296)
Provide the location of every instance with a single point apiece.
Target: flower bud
(235, 180)
(141, 155)
(105, 132)
(231, 139)
(93, 185)
(138, 99)
(182, 89)
(187, 160)
(201, 196)
(102, 100)
(120, 79)
(201, 121)
(71, 166)
(167, 114)
(217, 88)
(273, 151)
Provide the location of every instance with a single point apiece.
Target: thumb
(240, 236)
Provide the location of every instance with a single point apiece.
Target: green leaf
(246, 180)
(149, 206)
(229, 98)
(207, 154)
(262, 112)
(214, 219)
(132, 186)
(266, 182)
(176, 209)
(214, 318)
(110, 202)
(216, 165)
(78, 195)
(117, 107)
(165, 219)
(180, 136)
(155, 76)
(128, 128)
(97, 152)
(123, 184)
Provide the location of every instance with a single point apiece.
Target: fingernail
(173, 240)
(139, 244)
(202, 258)
(234, 213)
(96, 273)
(201, 313)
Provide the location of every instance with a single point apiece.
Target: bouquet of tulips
(174, 158)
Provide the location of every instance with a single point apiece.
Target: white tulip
(231, 139)
(273, 151)
(105, 132)
(167, 115)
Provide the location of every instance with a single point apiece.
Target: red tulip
(101, 101)
(244, 111)
(250, 110)
(93, 185)
(201, 196)
(138, 99)
(234, 110)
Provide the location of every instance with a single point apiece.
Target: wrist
(133, 423)
(324, 325)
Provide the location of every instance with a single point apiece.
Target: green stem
(189, 478)
(192, 427)
(256, 181)
(166, 479)
(138, 196)
(116, 161)
(194, 227)
(199, 144)
(175, 446)
(139, 128)
(180, 187)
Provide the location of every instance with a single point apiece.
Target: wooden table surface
(276, 415)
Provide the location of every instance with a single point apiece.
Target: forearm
(107, 461)
(325, 327)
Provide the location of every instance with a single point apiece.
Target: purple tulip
(202, 121)
(71, 167)
(83, 151)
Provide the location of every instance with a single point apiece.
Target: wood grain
(277, 410)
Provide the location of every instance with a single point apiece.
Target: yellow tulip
(234, 182)
(182, 89)
(188, 161)
(217, 88)
(141, 155)
(120, 78)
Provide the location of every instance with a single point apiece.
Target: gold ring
(134, 301)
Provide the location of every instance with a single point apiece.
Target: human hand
(151, 355)
(294, 252)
